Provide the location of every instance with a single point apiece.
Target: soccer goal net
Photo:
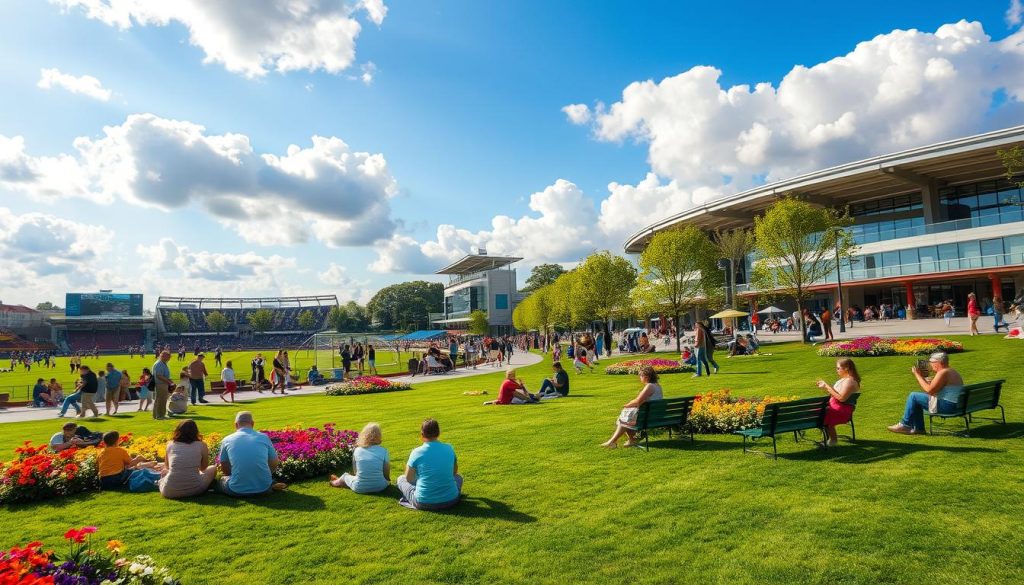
(325, 349)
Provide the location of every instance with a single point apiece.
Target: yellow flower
(115, 546)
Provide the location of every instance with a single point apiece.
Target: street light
(725, 265)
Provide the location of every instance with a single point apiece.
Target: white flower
(148, 571)
(135, 568)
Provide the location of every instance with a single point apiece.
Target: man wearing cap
(196, 376)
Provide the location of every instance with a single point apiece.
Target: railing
(460, 278)
(998, 217)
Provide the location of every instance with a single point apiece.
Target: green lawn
(19, 383)
(545, 504)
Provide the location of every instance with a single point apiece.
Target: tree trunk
(679, 347)
(803, 322)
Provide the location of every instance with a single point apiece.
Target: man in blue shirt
(431, 480)
(113, 387)
(247, 461)
(163, 382)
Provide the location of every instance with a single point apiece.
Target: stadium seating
(285, 319)
(104, 340)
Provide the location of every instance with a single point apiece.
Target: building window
(500, 302)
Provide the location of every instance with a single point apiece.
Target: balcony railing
(996, 216)
(854, 274)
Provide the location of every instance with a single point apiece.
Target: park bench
(852, 400)
(669, 413)
(3, 400)
(974, 398)
(786, 417)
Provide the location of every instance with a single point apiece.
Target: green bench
(974, 398)
(669, 413)
(786, 417)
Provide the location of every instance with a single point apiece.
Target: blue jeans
(917, 404)
(71, 400)
(702, 360)
(198, 390)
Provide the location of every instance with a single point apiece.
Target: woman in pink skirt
(839, 411)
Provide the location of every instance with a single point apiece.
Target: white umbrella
(770, 311)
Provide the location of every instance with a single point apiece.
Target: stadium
(932, 224)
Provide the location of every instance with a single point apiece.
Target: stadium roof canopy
(474, 263)
(963, 160)
(245, 302)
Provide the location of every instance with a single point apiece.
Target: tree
(48, 306)
(798, 245)
(478, 324)
(306, 320)
(357, 316)
(406, 305)
(1013, 161)
(676, 269)
(178, 322)
(536, 312)
(337, 318)
(734, 245)
(602, 288)
(216, 321)
(564, 311)
(261, 320)
(542, 275)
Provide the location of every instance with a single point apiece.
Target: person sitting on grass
(56, 392)
(512, 391)
(739, 346)
(315, 377)
(840, 412)
(687, 357)
(941, 395)
(187, 470)
(626, 423)
(67, 438)
(247, 461)
(371, 465)
(579, 356)
(116, 464)
(431, 480)
(557, 385)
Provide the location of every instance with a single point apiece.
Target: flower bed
(661, 366)
(879, 346)
(721, 412)
(306, 453)
(366, 385)
(37, 473)
(32, 565)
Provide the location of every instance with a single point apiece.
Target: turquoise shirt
(369, 463)
(434, 463)
(249, 452)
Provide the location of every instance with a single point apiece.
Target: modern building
(932, 223)
(479, 282)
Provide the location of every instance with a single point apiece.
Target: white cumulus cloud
(325, 190)
(577, 113)
(86, 85)
(250, 37)
(1014, 13)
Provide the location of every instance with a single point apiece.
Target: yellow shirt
(113, 460)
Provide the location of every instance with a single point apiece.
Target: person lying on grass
(431, 480)
(557, 385)
(839, 412)
(67, 438)
(626, 423)
(941, 395)
(247, 461)
(371, 465)
(115, 464)
(512, 391)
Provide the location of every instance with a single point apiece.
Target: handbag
(629, 415)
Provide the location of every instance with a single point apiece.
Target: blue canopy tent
(424, 335)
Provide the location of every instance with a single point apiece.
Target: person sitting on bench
(512, 391)
(839, 411)
(557, 385)
(941, 395)
(630, 410)
(41, 394)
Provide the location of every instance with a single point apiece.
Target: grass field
(20, 382)
(545, 504)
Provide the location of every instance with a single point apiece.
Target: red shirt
(972, 307)
(507, 392)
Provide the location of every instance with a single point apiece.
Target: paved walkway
(26, 413)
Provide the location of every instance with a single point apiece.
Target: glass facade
(465, 300)
(993, 252)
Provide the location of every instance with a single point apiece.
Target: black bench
(669, 413)
(974, 398)
(786, 417)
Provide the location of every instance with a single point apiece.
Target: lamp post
(725, 265)
(839, 287)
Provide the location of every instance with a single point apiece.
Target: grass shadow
(874, 451)
(987, 429)
(471, 507)
(286, 500)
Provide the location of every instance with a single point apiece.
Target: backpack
(143, 480)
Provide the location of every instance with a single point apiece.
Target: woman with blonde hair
(839, 410)
(371, 465)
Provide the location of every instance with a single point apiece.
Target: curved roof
(474, 263)
(956, 161)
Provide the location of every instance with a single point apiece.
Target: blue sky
(465, 106)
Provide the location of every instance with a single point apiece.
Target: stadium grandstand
(284, 329)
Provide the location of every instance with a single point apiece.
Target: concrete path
(26, 413)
